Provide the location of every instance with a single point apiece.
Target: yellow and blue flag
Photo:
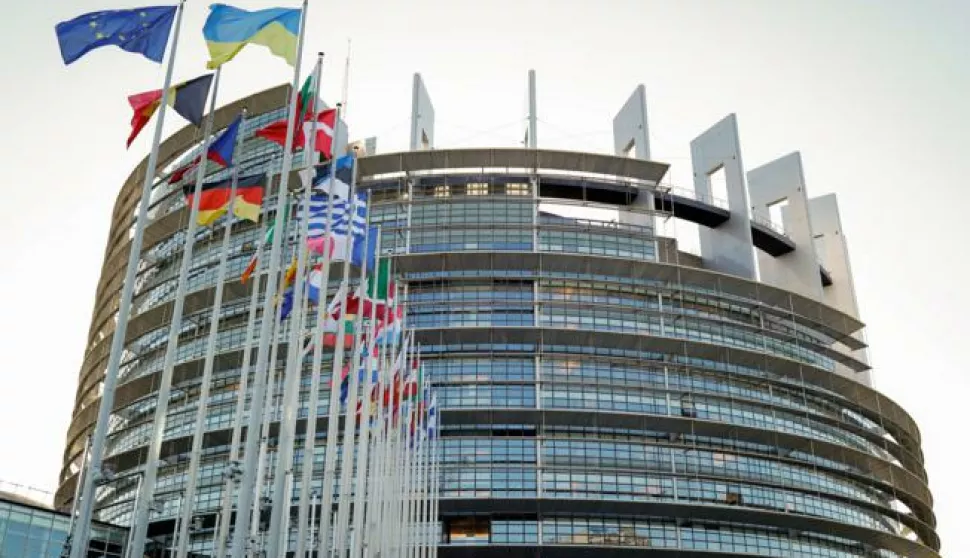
(142, 30)
(229, 29)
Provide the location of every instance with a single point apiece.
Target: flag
(276, 131)
(251, 267)
(286, 306)
(214, 199)
(391, 327)
(432, 422)
(290, 276)
(336, 326)
(323, 142)
(141, 30)
(187, 98)
(315, 284)
(364, 250)
(365, 348)
(339, 222)
(382, 287)
(344, 229)
(318, 177)
(220, 151)
(228, 29)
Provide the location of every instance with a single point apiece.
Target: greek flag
(348, 219)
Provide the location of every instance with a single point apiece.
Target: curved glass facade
(594, 393)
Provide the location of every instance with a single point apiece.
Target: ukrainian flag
(229, 29)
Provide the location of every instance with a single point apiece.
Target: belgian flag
(214, 198)
(187, 98)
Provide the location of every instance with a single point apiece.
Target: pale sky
(873, 93)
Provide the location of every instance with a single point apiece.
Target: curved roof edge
(575, 161)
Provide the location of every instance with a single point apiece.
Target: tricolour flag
(381, 286)
(214, 199)
(141, 30)
(220, 151)
(228, 29)
(187, 98)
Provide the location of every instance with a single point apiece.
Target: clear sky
(873, 93)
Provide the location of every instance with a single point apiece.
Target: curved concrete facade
(599, 389)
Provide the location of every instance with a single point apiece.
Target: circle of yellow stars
(93, 24)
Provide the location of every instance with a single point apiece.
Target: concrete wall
(422, 116)
(784, 179)
(833, 252)
(729, 247)
(630, 130)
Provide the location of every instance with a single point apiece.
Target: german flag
(214, 199)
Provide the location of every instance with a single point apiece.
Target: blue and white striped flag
(342, 226)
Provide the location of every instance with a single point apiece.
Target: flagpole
(350, 422)
(365, 467)
(232, 470)
(436, 482)
(296, 340)
(294, 362)
(309, 440)
(140, 517)
(395, 474)
(346, 85)
(329, 472)
(274, 399)
(82, 527)
(363, 444)
(259, 390)
(400, 517)
(374, 499)
(317, 365)
(385, 489)
(188, 508)
(420, 478)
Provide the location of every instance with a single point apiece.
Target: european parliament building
(603, 392)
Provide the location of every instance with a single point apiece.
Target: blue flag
(362, 251)
(142, 30)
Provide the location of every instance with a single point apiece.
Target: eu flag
(143, 30)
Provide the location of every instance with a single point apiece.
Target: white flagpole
(317, 362)
(333, 417)
(306, 477)
(82, 527)
(393, 465)
(422, 492)
(280, 522)
(342, 527)
(249, 472)
(400, 518)
(374, 468)
(343, 96)
(232, 468)
(191, 482)
(363, 445)
(436, 484)
(274, 399)
(388, 471)
(414, 503)
(313, 509)
(140, 517)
